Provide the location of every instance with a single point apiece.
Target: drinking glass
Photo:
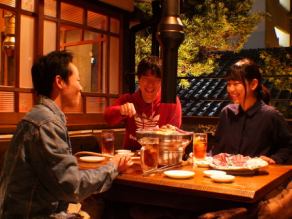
(107, 142)
(149, 153)
(200, 141)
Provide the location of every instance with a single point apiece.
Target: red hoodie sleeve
(171, 113)
(112, 113)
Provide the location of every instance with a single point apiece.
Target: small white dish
(91, 158)
(209, 173)
(202, 163)
(124, 152)
(222, 178)
(179, 174)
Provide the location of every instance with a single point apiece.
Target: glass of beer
(149, 153)
(200, 141)
(107, 142)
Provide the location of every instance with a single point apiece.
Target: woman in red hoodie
(143, 109)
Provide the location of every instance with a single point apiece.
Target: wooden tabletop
(196, 192)
(158, 189)
(247, 188)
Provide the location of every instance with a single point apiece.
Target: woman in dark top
(249, 126)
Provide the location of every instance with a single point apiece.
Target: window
(50, 8)
(96, 52)
(283, 37)
(90, 33)
(28, 5)
(26, 50)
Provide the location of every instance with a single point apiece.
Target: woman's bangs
(234, 74)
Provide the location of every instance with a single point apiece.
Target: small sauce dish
(209, 173)
(124, 152)
(222, 178)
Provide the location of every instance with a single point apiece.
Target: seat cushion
(277, 207)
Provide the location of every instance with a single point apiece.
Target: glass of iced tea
(107, 142)
(149, 153)
(200, 141)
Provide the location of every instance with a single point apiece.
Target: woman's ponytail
(264, 94)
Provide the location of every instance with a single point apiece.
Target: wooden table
(199, 193)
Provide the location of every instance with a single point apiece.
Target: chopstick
(80, 153)
(161, 169)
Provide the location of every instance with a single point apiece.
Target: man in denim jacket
(40, 175)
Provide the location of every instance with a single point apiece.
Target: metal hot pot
(171, 143)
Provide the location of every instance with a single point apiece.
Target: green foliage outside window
(142, 45)
(209, 25)
(278, 68)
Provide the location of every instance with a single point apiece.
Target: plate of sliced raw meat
(237, 164)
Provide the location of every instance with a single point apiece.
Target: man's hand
(128, 109)
(122, 162)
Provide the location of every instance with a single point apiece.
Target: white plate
(209, 173)
(222, 178)
(92, 158)
(179, 174)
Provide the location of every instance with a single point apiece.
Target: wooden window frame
(76, 121)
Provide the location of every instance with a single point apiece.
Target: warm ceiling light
(8, 45)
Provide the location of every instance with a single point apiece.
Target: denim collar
(53, 107)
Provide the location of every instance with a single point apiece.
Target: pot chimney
(170, 35)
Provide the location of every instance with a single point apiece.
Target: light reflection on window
(7, 55)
